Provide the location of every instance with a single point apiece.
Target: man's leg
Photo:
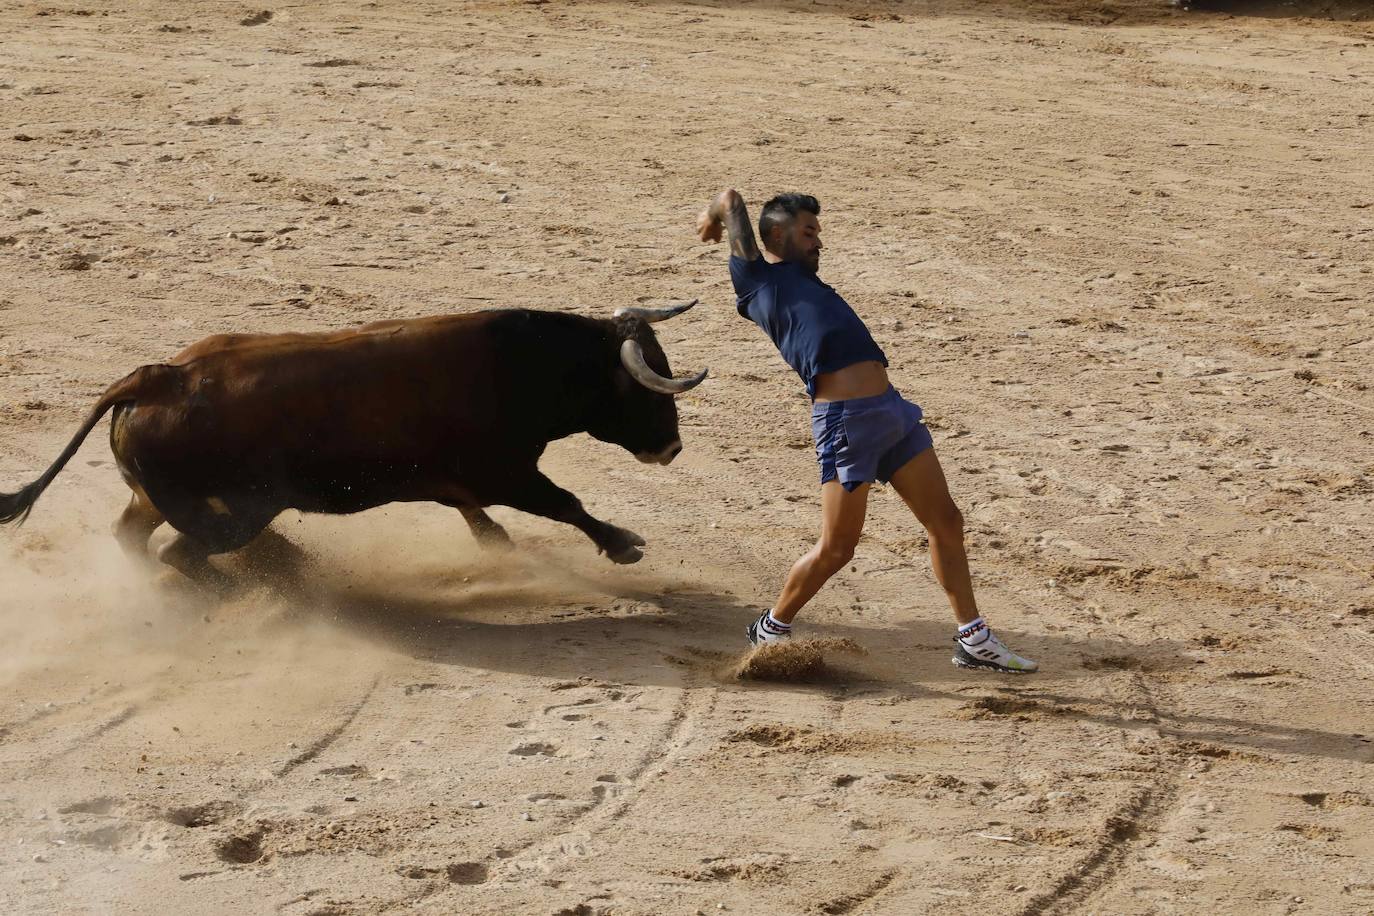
(921, 484)
(842, 521)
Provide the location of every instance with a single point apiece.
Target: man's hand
(709, 226)
(728, 210)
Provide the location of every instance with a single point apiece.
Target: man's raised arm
(728, 210)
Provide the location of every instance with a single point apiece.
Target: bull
(453, 409)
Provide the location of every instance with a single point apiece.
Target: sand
(1120, 252)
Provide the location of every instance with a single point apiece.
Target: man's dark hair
(782, 209)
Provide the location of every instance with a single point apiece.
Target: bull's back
(218, 345)
(317, 390)
(354, 414)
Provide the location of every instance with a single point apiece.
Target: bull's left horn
(632, 355)
(652, 315)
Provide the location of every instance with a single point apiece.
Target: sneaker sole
(976, 665)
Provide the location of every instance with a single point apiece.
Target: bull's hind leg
(538, 495)
(222, 529)
(136, 525)
(488, 532)
(191, 557)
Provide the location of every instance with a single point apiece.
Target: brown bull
(455, 409)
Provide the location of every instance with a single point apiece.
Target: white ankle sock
(975, 632)
(774, 627)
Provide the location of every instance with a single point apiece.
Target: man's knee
(947, 523)
(833, 555)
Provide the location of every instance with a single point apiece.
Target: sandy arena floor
(1120, 252)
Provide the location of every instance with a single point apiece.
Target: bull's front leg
(538, 495)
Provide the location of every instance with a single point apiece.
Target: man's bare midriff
(861, 380)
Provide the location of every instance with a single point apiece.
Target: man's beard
(812, 261)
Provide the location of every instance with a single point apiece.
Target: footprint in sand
(466, 873)
(603, 791)
(242, 848)
(110, 836)
(585, 706)
(351, 769)
(101, 805)
(1334, 801)
(585, 701)
(457, 873)
(203, 815)
(1115, 663)
(1023, 710)
(534, 749)
(97, 824)
(1312, 831)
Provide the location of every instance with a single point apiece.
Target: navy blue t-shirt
(814, 329)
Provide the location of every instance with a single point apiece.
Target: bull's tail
(15, 507)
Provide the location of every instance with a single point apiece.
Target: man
(864, 429)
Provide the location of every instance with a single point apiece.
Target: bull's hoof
(495, 539)
(631, 537)
(623, 547)
(627, 556)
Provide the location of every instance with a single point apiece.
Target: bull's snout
(664, 457)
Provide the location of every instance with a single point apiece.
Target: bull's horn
(632, 355)
(652, 315)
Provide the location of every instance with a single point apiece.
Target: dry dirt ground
(1121, 253)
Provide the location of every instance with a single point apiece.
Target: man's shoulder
(749, 275)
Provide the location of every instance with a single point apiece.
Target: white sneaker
(993, 655)
(759, 632)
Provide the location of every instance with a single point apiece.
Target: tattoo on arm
(742, 241)
(730, 209)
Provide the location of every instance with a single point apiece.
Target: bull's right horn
(653, 315)
(632, 355)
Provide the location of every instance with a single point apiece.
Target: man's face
(801, 241)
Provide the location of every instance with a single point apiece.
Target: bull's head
(644, 420)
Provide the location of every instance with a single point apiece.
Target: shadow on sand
(532, 613)
(878, 15)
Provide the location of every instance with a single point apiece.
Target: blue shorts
(866, 439)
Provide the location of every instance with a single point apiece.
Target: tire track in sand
(694, 701)
(849, 903)
(321, 744)
(109, 724)
(1130, 825)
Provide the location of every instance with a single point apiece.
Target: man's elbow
(730, 198)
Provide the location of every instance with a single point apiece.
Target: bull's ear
(632, 357)
(655, 315)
